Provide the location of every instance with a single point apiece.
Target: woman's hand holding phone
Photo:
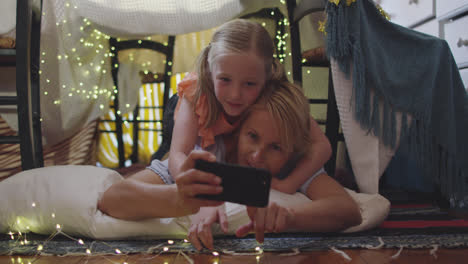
(192, 182)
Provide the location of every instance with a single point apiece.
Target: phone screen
(243, 185)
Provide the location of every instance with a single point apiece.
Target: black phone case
(243, 185)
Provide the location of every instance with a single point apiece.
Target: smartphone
(242, 185)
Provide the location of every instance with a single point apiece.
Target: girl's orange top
(187, 88)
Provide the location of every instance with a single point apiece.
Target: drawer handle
(462, 42)
(413, 2)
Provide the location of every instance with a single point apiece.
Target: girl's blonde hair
(289, 108)
(236, 36)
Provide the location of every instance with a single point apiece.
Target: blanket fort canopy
(411, 73)
(76, 82)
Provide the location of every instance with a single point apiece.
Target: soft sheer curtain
(75, 69)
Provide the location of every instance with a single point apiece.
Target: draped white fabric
(7, 17)
(369, 156)
(76, 82)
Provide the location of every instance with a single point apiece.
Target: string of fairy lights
(93, 42)
(92, 54)
(19, 239)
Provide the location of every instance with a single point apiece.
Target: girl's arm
(144, 195)
(184, 136)
(319, 153)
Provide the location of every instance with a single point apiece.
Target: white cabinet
(409, 13)
(454, 29)
(464, 76)
(445, 8)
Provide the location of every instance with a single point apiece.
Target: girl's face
(238, 80)
(259, 143)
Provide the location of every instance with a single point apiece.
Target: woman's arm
(319, 153)
(144, 195)
(331, 208)
(135, 198)
(184, 136)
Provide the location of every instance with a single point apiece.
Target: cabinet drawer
(409, 12)
(430, 28)
(464, 76)
(444, 7)
(456, 36)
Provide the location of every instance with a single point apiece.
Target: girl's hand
(273, 218)
(192, 182)
(200, 229)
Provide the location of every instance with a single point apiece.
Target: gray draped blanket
(412, 73)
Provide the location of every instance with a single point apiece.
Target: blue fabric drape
(412, 73)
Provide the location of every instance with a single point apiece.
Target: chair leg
(332, 126)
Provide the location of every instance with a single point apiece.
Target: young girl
(276, 131)
(231, 74)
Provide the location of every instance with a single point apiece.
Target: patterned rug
(409, 226)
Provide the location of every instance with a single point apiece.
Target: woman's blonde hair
(236, 36)
(289, 108)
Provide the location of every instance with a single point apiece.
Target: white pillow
(29, 199)
(7, 16)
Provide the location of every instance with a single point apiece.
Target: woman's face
(259, 143)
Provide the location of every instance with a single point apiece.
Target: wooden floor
(368, 256)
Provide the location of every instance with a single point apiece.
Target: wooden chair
(25, 57)
(332, 123)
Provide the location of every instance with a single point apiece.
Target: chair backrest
(167, 49)
(332, 123)
(27, 99)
